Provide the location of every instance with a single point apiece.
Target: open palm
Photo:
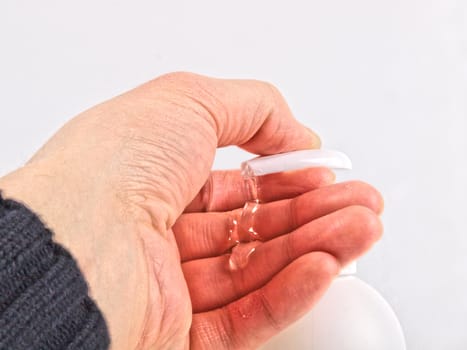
(309, 228)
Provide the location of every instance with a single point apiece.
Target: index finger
(227, 190)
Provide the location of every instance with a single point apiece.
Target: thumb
(183, 117)
(249, 113)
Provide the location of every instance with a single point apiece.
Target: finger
(249, 113)
(227, 190)
(174, 124)
(281, 217)
(206, 235)
(345, 234)
(253, 319)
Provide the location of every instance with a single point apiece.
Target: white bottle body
(350, 316)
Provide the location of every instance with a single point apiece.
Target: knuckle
(272, 97)
(373, 198)
(328, 265)
(177, 77)
(367, 221)
(271, 88)
(179, 83)
(324, 264)
(198, 96)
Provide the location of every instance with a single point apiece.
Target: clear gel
(243, 236)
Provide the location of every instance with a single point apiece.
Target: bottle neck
(348, 270)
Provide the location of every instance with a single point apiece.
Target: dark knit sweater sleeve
(44, 301)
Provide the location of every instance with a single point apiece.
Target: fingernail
(315, 139)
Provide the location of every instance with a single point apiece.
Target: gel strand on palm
(243, 237)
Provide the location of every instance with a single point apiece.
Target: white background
(385, 81)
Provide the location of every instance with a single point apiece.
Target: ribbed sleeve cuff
(44, 301)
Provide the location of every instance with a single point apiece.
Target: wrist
(96, 230)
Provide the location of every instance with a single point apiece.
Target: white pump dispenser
(351, 315)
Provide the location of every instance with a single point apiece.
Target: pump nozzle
(295, 160)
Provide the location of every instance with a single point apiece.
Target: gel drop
(243, 236)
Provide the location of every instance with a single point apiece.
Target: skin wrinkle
(174, 147)
(148, 136)
(148, 143)
(168, 174)
(149, 181)
(268, 311)
(170, 123)
(213, 180)
(237, 282)
(205, 239)
(211, 243)
(228, 327)
(293, 212)
(142, 344)
(147, 204)
(180, 106)
(267, 107)
(146, 155)
(161, 297)
(288, 248)
(187, 80)
(214, 124)
(282, 133)
(212, 332)
(225, 115)
(258, 108)
(168, 344)
(218, 109)
(208, 194)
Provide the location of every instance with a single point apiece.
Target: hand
(126, 186)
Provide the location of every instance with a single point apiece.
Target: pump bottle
(351, 315)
